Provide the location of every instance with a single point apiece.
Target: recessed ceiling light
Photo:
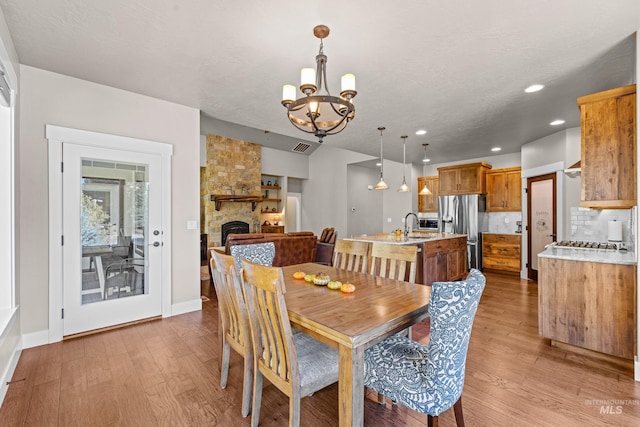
(556, 122)
(426, 160)
(421, 132)
(496, 149)
(378, 164)
(534, 88)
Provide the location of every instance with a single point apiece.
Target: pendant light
(425, 191)
(404, 188)
(381, 185)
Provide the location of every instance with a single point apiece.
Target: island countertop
(414, 238)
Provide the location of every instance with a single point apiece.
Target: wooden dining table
(352, 322)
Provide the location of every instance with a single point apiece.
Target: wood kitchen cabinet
(428, 203)
(445, 260)
(588, 304)
(504, 190)
(469, 178)
(608, 131)
(501, 252)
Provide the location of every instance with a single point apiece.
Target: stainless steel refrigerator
(459, 214)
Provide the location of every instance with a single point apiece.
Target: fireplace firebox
(235, 227)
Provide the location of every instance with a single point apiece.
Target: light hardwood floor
(166, 372)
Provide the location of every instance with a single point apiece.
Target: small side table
(272, 228)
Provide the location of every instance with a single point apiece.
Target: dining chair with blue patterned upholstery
(259, 253)
(429, 378)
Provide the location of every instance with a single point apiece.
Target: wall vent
(301, 147)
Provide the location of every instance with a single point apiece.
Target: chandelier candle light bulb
(288, 93)
(348, 83)
(308, 81)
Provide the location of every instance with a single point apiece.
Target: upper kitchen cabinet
(608, 131)
(504, 190)
(463, 179)
(428, 203)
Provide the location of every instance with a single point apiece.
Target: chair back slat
(270, 327)
(351, 255)
(391, 261)
(233, 311)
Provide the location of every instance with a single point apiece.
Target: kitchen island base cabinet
(588, 304)
(445, 260)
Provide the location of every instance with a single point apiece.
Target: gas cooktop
(572, 244)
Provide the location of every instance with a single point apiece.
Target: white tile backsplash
(592, 224)
(499, 222)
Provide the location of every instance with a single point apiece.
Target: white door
(541, 208)
(112, 248)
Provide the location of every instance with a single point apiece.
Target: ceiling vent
(301, 147)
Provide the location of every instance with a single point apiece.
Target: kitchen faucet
(406, 224)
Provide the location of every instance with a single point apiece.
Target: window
(7, 221)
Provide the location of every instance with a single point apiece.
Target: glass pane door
(114, 216)
(112, 238)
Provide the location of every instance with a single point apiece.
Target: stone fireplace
(232, 169)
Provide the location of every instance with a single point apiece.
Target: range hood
(574, 170)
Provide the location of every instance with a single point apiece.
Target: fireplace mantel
(219, 198)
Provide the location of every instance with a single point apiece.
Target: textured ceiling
(456, 68)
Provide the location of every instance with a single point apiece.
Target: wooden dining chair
(297, 364)
(430, 378)
(391, 261)
(351, 255)
(234, 329)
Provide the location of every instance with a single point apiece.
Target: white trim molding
(186, 307)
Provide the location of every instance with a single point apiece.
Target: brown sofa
(291, 248)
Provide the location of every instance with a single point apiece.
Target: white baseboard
(35, 339)
(636, 369)
(186, 307)
(8, 374)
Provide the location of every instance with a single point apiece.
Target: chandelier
(320, 113)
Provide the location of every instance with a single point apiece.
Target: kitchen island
(587, 299)
(442, 257)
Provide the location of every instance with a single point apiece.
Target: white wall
(562, 149)
(284, 163)
(324, 194)
(367, 202)
(395, 205)
(49, 98)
